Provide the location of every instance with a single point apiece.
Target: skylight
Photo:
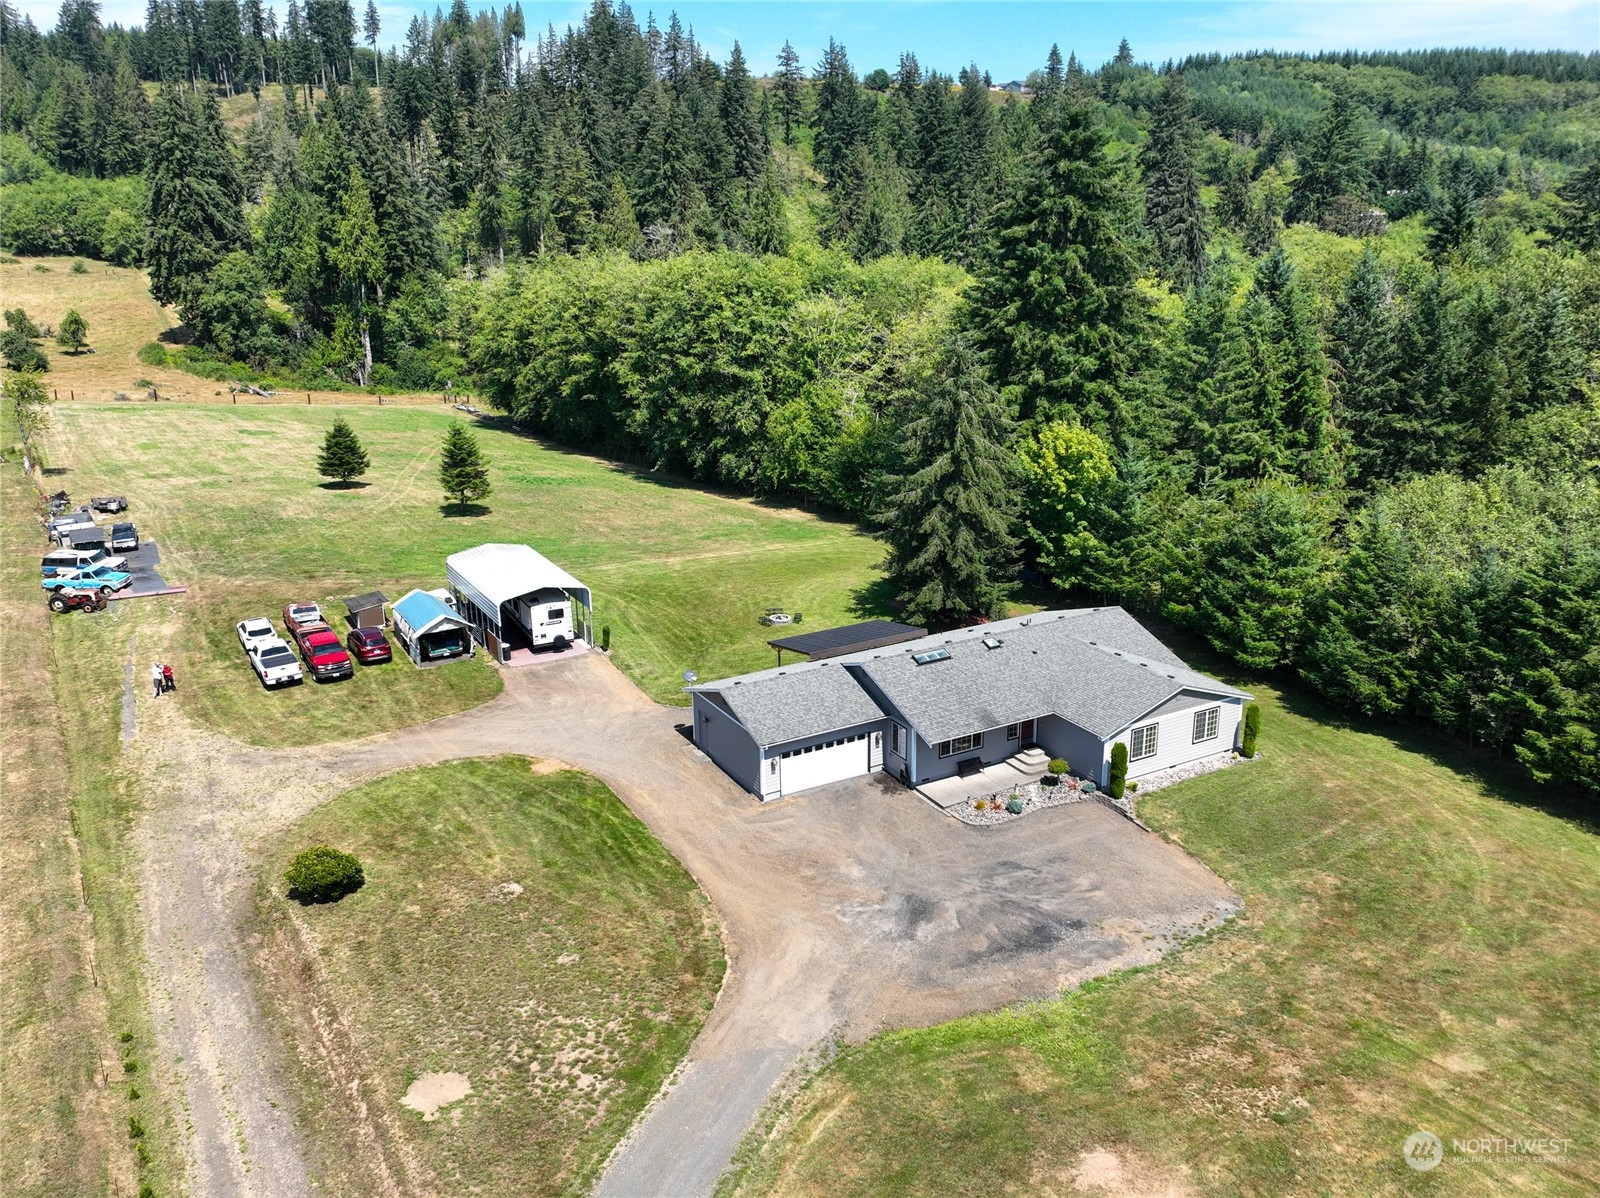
(923, 659)
(992, 642)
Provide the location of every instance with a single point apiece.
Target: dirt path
(851, 909)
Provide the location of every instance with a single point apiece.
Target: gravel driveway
(846, 910)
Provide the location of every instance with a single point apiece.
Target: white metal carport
(488, 576)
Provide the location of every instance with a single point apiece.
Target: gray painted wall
(723, 739)
(1081, 750)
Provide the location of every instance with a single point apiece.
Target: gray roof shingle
(802, 700)
(1095, 666)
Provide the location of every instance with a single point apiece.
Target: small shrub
(153, 353)
(126, 1037)
(130, 1066)
(135, 1128)
(322, 874)
(41, 268)
(1014, 805)
(1252, 729)
(143, 1153)
(980, 804)
(1133, 786)
(1058, 767)
(1088, 787)
(605, 638)
(143, 383)
(1117, 783)
(78, 267)
(133, 1093)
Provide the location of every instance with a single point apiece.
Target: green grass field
(1421, 949)
(232, 496)
(565, 1004)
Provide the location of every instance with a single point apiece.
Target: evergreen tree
(1233, 198)
(371, 26)
(1301, 368)
(463, 470)
(121, 116)
(1453, 225)
(618, 227)
(1578, 223)
(357, 254)
(1361, 346)
(193, 214)
(1334, 163)
(1054, 304)
(741, 122)
(791, 92)
(949, 515)
(72, 333)
(1173, 211)
(343, 456)
(766, 224)
(1428, 363)
(65, 121)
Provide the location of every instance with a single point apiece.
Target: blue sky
(1010, 37)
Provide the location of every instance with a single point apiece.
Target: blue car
(94, 578)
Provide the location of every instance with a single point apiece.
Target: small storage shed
(429, 629)
(366, 611)
(507, 591)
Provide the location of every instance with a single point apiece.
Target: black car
(123, 536)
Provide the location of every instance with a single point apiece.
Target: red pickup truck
(324, 655)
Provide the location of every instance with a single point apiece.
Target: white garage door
(831, 761)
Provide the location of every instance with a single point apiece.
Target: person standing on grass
(156, 678)
(168, 682)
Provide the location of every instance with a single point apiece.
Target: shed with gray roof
(1071, 682)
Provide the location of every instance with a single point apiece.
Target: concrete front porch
(1014, 771)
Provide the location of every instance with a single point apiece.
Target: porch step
(1029, 761)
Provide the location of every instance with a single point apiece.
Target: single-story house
(429, 628)
(366, 611)
(1073, 682)
(516, 598)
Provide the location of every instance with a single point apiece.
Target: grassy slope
(72, 952)
(1419, 950)
(566, 1006)
(233, 499)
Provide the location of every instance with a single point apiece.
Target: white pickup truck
(274, 663)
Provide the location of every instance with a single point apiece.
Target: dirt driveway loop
(848, 910)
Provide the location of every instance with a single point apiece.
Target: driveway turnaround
(846, 910)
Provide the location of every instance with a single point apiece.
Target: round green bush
(323, 875)
(1058, 766)
(1014, 805)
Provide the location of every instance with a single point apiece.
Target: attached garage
(518, 601)
(783, 731)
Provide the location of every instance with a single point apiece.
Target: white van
(67, 561)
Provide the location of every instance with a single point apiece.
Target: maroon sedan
(369, 646)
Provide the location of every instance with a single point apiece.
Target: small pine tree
(73, 332)
(463, 470)
(1252, 729)
(1117, 780)
(343, 457)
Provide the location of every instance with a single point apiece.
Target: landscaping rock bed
(1035, 796)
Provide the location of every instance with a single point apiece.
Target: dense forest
(1300, 352)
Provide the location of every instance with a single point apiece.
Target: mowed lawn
(1420, 950)
(232, 497)
(519, 927)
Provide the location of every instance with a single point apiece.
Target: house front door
(1025, 732)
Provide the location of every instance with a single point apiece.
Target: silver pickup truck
(274, 663)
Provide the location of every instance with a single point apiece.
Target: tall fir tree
(1173, 210)
(194, 195)
(463, 470)
(1054, 304)
(1310, 452)
(791, 92)
(1334, 162)
(949, 516)
(741, 122)
(343, 457)
(1361, 346)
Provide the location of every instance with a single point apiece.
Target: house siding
(769, 777)
(1084, 752)
(723, 739)
(1175, 740)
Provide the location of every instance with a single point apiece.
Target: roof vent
(931, 655)
(992, 642)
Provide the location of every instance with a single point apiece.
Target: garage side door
(832, 761)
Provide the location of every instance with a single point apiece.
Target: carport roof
(852, 638)
(493, 574)
(795, 702)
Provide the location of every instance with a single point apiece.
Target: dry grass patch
(523, 968)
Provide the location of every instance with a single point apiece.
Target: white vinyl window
(1013, 731)
(898, 744)
(961, 744)
(1142, 742)
(1205, 724)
